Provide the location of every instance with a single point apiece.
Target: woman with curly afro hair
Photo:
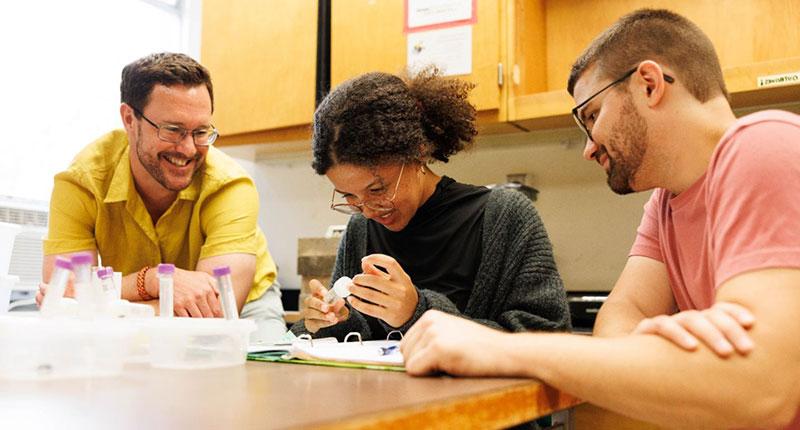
(417, 240)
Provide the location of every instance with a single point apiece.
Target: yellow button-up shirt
(95, 205)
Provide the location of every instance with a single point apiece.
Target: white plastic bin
(198, 343)
(8, 233)
(41, 348)
(7, 283)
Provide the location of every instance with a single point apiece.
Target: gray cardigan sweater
(517, 286)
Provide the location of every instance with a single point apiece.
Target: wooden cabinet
(367, 36)
(262, 55)
(262, 59)
(752, 38)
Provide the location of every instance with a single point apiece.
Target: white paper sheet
(450, 49)
(367, 352)
(422, 13)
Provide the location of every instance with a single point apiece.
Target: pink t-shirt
(743, 214)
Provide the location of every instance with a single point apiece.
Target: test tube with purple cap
(166, 290)
(225, 287)
(106, 276)
(56, 287)
(82, 267)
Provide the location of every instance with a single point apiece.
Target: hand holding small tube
(319, 314)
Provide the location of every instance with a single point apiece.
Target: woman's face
(376, 185)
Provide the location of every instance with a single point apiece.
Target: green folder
(278, 357)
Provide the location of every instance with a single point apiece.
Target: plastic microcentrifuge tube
(340, 290)
(106, 275)
(225, 286)
(165, 290)
(107, 292)
(56, 287)
(82, 267)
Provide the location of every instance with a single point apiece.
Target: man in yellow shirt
(158, 192)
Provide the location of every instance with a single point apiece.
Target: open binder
(370, 354)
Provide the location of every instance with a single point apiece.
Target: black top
(440, 248)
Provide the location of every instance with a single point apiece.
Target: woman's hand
(319, 314)
(390, 296)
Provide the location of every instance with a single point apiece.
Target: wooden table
(274, 395)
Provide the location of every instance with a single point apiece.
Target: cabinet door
(262, 56)
(367, 36)
(755, 38)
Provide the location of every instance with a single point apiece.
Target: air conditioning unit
(23, 224)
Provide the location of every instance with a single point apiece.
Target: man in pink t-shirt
(702, 329)
(741, 215)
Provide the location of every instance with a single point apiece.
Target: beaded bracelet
(140, 277)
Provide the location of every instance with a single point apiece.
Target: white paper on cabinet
(422, 13)
(450, 49)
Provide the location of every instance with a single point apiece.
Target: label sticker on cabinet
(778, 80)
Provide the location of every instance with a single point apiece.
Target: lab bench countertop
(275, 395)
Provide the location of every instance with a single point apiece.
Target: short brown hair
(165, 68)
(379, 118)
(658, 35)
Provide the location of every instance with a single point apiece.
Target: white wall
(591, 228)
(59, 83)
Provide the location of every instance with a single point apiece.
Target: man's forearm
(642, 291)
(617, 318)
(649, 378)
(243, 268)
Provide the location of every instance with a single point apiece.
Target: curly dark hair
(379, 118)
(165, 68)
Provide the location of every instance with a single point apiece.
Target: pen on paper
(386, 350)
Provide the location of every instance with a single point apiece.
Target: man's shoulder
(98, 160)
(759, 139)
(220, 169)
(760, 127)
(768, 116)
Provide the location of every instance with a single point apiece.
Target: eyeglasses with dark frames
(172, 133)
(381, 205)
(576, 114)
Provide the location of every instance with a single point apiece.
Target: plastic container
(43, 348)
(8, 233)
(198, 343)
(7, 283)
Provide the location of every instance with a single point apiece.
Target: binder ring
(389, 335)
(353, 333)
(306, 337)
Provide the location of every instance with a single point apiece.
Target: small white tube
(166, 291)
(225, 287)
(82, 267)
(107, 293)
(55, 289)
(340, 290)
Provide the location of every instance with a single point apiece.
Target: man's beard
(151, 164)
(628, 138)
